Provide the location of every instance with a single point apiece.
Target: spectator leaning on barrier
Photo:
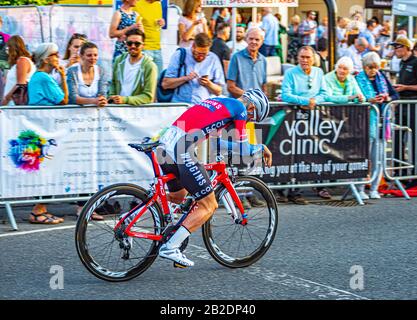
(43, 90)
(201, 77)
(355, 52)
(191, 23)
(341, 84)
(407, 82)
(247, 68)
(240, 42)
(153, 22)
(124, 20)
(87, 85)
(134, 74)
(407, 88)
(86, 80)
(303, 85)
(377, 90)
(22, 68)
(219, 46)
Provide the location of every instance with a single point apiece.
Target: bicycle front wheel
(235, 245)
(110, 254)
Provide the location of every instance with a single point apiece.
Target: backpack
(166, 95)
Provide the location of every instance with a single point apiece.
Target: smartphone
(204, 77)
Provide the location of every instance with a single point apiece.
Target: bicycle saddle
(145, 147)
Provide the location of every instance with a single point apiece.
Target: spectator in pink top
(191, 23)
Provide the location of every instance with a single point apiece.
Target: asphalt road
(320, 253)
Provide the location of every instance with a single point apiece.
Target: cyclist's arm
(241, 144)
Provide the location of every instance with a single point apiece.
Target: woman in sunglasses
(377, 90)
(22, 68)
(43, 90)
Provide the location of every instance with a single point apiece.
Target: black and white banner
(328, 143)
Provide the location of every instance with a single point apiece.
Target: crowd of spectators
(215, 65)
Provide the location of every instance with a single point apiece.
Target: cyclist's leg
(205, 209)
(177, 192)
(193, 176)
(177, 196)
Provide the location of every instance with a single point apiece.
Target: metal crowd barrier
(400, 152)
(203, 154)
(350, 183)
(9, 202)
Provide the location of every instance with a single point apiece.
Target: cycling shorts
(178, 157)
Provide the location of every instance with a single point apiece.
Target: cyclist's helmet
(261, 102)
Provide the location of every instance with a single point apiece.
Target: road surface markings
(318, 290)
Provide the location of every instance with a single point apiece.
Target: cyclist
(193, 126)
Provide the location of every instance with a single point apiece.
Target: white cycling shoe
(175, 254)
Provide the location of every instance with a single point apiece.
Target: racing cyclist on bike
(193, 126)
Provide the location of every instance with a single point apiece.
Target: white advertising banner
(249, 3)
(76, 150)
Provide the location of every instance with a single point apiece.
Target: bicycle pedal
(177, 265)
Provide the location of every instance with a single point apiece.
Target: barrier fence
(66, 151)
(57, 154)
(328, 146)
(400, 156)
(57, 23)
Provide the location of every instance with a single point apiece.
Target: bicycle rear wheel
(235, 245)
(112, 255)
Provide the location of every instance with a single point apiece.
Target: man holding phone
(201, 77)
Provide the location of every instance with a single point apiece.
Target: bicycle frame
(221, 177)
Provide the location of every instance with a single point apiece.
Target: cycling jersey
(195, 125)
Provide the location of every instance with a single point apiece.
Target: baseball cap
(402, 41)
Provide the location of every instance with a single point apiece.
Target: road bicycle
(138, 221)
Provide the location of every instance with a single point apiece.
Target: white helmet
(261, 102)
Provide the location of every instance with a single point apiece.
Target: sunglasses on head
(398, 46)
(54, 54)
(136, 43)
(81, 36)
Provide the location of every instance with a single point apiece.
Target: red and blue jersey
(212, 115)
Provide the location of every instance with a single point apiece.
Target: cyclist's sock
(179, 236)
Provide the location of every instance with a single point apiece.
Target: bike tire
(119, 197)
(221, 243)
